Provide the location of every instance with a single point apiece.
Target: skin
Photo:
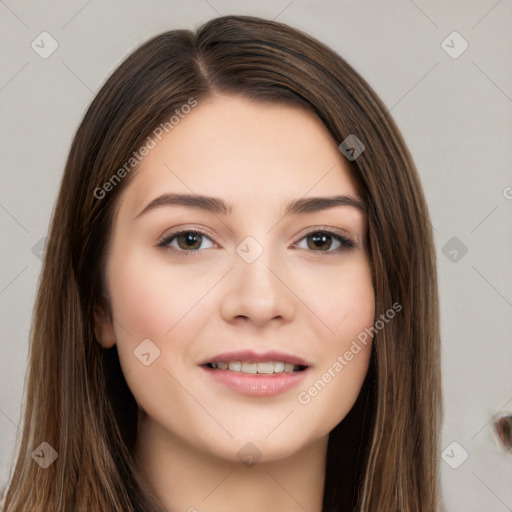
(292, 298)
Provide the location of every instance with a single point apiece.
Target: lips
(251, 356)
(252, 362)
(257, 374)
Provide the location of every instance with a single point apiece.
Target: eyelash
(345, 242)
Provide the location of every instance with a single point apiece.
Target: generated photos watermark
(304, 397)
(151, 143)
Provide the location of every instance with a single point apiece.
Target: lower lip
(258, 384)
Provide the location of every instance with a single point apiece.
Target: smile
(267, 367)
(256, 374)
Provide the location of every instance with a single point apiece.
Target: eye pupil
(319, 239)
(191, 240)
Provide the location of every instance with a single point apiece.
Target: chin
(259, 447)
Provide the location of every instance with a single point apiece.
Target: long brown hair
(384, 454)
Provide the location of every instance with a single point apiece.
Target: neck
(186, 479)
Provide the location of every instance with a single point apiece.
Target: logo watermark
(304, 397)
(137, 156)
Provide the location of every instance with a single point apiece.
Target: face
(204, 293)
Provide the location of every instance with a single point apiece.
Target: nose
(258, 292)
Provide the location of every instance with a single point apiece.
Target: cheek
(343, 299)
(149, 299)
(162, 304)
(347, 307)
(327, 398)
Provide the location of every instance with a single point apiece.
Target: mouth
(256, 374)
(252, 368)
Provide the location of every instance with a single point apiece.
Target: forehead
(246, 152)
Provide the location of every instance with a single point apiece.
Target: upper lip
(252, 356)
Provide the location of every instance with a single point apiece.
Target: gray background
(455, 114)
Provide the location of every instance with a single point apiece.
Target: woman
(238, 304)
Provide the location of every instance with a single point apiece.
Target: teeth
(266, 367)
(235, 366)
(278, 367)
(249, 367)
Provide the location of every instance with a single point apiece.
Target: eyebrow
(220, 206)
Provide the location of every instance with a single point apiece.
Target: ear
(103, 325)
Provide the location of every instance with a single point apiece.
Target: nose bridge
(255, 291)
(255, 276)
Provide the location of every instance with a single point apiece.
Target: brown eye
(326, 241)
(319, 241)
(189, 240)
(186, 241)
